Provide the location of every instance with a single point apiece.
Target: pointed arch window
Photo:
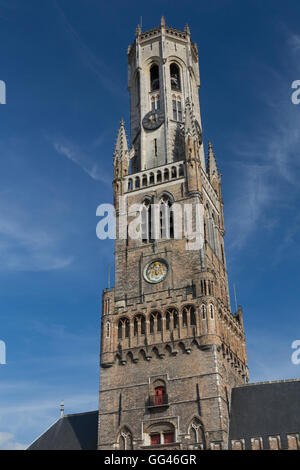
(154, 77)
(139, 325)
(123, 327)
(175, 77)
(155, 318)
(171, 313)
(166, 218)
(189, 311)
(146, 217)
(196, 431)
(125, 440)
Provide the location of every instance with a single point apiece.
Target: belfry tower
(171, 349)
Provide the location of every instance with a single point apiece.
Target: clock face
(156, 271)
(199, 131)
(153, 119)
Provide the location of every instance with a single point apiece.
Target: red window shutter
(168, 437)
(155, 439)
(159, 395)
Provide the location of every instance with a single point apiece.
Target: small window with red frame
(168, 437)
(160, 393)
(155, 439)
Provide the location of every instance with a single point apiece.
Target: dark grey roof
(72, 432)
(265, 409)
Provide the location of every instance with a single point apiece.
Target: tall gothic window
(166, 218)
(175, 77)
(196, 431)
(155, 317)
(146, 215)
(171, 313)
(154, 77)
(125, 440)
(123, 327)
(139, 325)
(189, 311)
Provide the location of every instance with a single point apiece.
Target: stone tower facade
(171, 349)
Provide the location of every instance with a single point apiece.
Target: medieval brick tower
(171, 350)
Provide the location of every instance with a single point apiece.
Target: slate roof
(72, 432)
(265, 409)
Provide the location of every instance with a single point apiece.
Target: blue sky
(64, 64)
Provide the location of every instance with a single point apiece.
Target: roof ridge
(268, 382)
(82, 413)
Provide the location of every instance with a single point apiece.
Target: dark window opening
(151, 324)
(154, 77)
(175, 319)
(167, 321)
(127, 329)
(143, 325)
(159, 322)
(135, 332)
(175, 77)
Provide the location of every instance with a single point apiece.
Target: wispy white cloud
(75, 154)
(272, 158)
(25, 246)
(247, 208)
